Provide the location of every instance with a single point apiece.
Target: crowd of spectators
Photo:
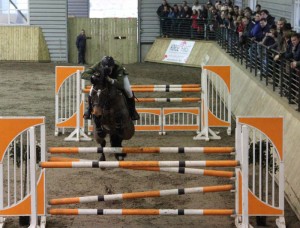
(255, 25)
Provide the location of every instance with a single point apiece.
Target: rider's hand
(110, 80)
(94, 79)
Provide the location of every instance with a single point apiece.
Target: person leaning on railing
(284, 45)
(162, 12)
(245, 34)
(280, 26)
(212, 18)
(270, 37)
(294, 52)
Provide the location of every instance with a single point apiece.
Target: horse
(110, 115)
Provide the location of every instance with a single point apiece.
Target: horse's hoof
(102, 158)
(120, 157)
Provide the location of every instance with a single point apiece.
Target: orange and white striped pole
(126, 164)
(62, 211)
(171, 100)
(146, 194)
(163, 86)
(128, 150)
(147, 90)
(180, 170)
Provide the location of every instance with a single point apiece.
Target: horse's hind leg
(116, 141)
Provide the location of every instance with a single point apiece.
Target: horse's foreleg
(99, 134)
(116, 141)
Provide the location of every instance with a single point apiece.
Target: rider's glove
(94, 80)
(110, 80)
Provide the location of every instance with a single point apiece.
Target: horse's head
(100, 81)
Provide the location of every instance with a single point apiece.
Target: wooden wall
(103, 33)
(23, 43)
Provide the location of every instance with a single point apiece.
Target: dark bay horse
(110, 115)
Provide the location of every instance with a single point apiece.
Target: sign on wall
(179, 51)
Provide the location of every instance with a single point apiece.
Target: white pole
(56, 132)
(78, 104)
(33, 185)
(43, 158)
(245, 169)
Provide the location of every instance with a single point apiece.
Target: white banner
(179, 51)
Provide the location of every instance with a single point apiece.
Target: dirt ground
(27, 89)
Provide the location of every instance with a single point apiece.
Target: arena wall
(250, 98)
(23, 43)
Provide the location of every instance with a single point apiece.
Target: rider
(115, 74)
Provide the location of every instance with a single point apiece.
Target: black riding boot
(131, 107)
(88, 113)
(99, 129)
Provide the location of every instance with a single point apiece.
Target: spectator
(229, 3)
(270, 37)
(245, 34)
(236, 10)
(162, 12)
(264, 29)
(211, 18)
(189, 10)
(257, 9)
(81, 46)
(241, 12)
(239, 25)
(171, 22)
(294, 51)
(176, 10)
(195, 26)
(223, 20)
(196, 6)
(285, 45)
(202, 13)
(232, 21)
(281, 23)
(180, 10)
(295, 64)
(248, 11)
(255, 31)
(185, 23)
(164, 21)
(265, 14)
(160, 9)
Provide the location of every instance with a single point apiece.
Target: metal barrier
(259, 59)
(188, 28)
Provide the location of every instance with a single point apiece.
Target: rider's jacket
(118, 73)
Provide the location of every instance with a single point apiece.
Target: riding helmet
(107, 61)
